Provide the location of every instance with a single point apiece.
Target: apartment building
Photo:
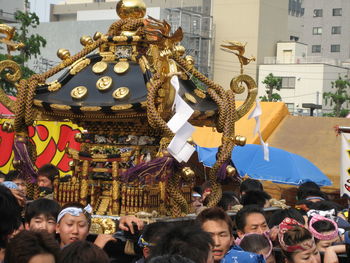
(8, 9)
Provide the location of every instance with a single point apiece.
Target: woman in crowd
(258, 244)
(324, 230)
(297, 243)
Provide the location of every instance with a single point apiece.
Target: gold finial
(63, 53)
(97, 36)
(86, 40)
(230, 170)
(240, 140)
(131, 9)
(232, 46)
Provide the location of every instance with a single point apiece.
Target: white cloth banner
(345, 165)
(256, 113)
(179, 148)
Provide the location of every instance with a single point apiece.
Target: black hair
(10, 215)
(306, 187)
(227, 199)
(170, 259)
(254, 243)
(322, 226)
(251, 184)
(2, 175)
(13, 175)
(28, 244)
(215, 214)
(82, 251)
(46, 207)
(255, 197)
(278, 216)
(184, 239)
(154, 231)
(48, 170)
(198, 189)
(326, 205)
(242, 214)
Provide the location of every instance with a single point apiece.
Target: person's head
(306, 187)
(256, 197)
(2, 177)
(250, 184)
(82, 251)
(297, 243)
(170, 259)
(310, 191)
(324, 230)
(219, 225)
(277, 217)
(228, 200)
(258, 244)
(151, 235)
(14, 176)
(73, 223)
(251, 219)
(187, 240)
(46, 175)
(32, 247)
(10, 215)
(41, 214)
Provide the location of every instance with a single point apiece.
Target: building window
(293, 38)
(288, 82)
(336, 30)
(335, 48)
(290, 107)
(337, 11)
(316, 49)
(317, 30)
(318, 12)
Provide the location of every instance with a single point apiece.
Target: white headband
(73, 211)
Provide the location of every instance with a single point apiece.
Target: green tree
(272, 83)
(338, 97)
(32, 42)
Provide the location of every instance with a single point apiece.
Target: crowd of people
(39, 231)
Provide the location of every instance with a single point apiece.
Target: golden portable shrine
(121, 88)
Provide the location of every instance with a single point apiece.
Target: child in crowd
(258, 244)
(82, 252)
(297, 243)
(324, 230)
(42, 214)
(32, 247)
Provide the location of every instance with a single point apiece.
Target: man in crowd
(41, 214)
(46, 176)
(219, 225)
(251, 219)
(14, 176)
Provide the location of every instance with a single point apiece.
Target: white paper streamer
(179, 148)
(256, 113)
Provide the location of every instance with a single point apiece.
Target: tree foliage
(272, 83)
(339, 97)
(32, 42)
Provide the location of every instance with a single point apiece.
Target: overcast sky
(42, 8)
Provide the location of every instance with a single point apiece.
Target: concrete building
(260, 23)
(8, 9)
(304, 78)
(194, 16)
(325, 26)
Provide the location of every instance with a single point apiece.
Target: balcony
(302, 60)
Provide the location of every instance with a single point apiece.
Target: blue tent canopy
(284, 167)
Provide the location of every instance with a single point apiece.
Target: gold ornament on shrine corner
(104, 83)
(79, 92)
(121, 93)
(99, 67)
(121, 67)
(190, 98)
